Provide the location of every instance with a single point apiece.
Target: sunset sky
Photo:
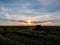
(30, 12)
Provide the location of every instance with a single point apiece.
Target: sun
(29, 22)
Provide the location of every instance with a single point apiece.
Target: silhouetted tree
(37, 27)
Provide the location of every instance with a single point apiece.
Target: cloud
(50, 5)
(47, 2)
(42, 17)
(21, 11)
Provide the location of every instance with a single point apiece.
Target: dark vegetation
(29, 35)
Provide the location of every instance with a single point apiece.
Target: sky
(30, 12)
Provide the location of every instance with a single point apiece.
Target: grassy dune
(29, 37)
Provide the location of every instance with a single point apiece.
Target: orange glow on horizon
(28, 23)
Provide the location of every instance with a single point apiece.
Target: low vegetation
(25, 36)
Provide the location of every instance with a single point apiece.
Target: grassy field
(20, 35)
